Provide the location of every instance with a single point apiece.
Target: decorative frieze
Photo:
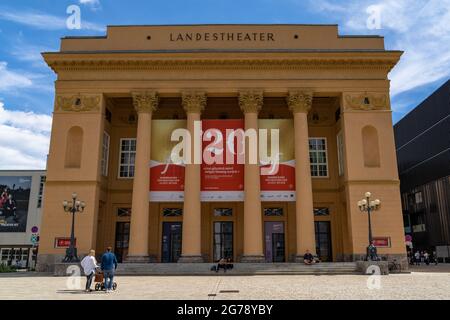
(300, 101)
(194, 101)
(366, 101)
(78, 103)
(145, 101)
(251, 101)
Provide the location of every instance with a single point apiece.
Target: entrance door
(122, 237)
(223, 240)
(323, 240)
(275, 241)
(171, 242)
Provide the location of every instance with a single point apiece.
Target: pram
(100, 282)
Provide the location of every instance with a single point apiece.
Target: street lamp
(74, 207)
(367, 205)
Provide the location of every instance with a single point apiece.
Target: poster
(166, 178)
(14, 200)
(279, 186)
(222, 177)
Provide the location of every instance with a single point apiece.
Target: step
(239, 269)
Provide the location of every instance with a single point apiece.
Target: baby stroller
(100, 282)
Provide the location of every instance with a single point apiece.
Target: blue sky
(28, 27)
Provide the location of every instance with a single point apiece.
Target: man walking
(108, 266)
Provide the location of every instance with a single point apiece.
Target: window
(340, 153)
(105, 154)
(124, 212)
(321, 211)
(418, 196)
(318, 157)
(273, 212)
(223, 240)
(172, 212)
(41, 191)
(223, 212)
(127, 157)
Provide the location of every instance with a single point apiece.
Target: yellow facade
(328, 84)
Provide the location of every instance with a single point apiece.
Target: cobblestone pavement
(417, 285)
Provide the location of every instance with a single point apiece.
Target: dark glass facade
(423, 154)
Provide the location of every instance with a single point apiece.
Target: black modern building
(422, 140)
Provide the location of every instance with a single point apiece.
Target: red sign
(382, 242)
(222, 177)
(61, 243)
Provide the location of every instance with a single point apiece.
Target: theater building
(120, 97)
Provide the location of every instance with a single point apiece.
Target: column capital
(145, 101)
(300, 101)
(251, 101)
(193, 101)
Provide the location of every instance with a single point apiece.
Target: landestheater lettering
(222, 36)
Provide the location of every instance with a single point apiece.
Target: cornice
(248, 64)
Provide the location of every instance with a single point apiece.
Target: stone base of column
(190, 259)
(253, 259)
(139, 259)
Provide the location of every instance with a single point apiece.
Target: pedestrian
(417, 258)
(89, 265)
(109, 266)
(435, 258)
(426, 258)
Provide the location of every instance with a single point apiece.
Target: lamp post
(367, 205)
(74, 207)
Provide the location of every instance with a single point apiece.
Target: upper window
(105, 154)
(273, 212)
(127, 157)
(172, 212)
(41, 191)
(318, 157)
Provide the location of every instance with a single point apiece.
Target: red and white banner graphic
(222, 177)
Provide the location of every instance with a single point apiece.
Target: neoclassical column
(193, 103)
(300, 103)
(251, 103)
(144, 103)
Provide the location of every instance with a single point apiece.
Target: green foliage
(4, 268)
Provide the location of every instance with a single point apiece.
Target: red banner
(222, 178)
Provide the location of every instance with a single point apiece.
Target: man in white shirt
(89, 265)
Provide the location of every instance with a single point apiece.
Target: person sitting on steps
(308, 258)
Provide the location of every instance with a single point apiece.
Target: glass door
(223, 240)
(171, 242)
(122, 238)
(274, 241)
(323, 240)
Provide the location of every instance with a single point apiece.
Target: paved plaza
(429, 282)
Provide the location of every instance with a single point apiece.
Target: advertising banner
(281, 185)
(166, 178)
(14, 199)
(222, 177)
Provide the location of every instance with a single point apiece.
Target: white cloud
(44, 21)
(11, 79)
(421, 28)
(24, 139)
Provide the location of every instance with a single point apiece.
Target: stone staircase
(204, 269)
